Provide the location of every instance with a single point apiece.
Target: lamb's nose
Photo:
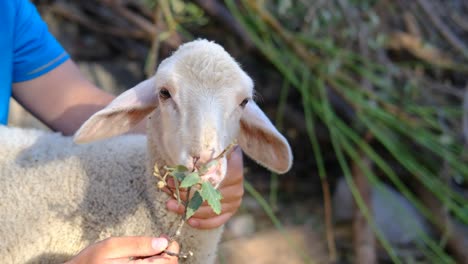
(203, 157)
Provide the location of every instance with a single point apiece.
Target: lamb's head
(198, 103)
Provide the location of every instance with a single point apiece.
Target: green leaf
(193, 205)
(180, 168)
(203, 169)
(190, 180)
(212, 196)
(180, 176)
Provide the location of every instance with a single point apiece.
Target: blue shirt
(27, 49)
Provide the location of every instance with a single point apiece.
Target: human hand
(232, 190)
(128, 250)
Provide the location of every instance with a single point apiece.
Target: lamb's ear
(260, 140)
(123, 113)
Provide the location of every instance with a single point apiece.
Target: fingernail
(159, 243)
(193, 222)
(172, 205)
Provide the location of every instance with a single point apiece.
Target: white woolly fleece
(58, 197)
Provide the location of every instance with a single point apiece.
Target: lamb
(57, 196)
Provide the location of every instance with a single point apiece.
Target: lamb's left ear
(123, 113)
(261, 141)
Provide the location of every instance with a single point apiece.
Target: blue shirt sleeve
(36, 51)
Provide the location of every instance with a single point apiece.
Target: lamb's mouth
(215, 170)
(215, 173)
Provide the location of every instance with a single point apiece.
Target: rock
(250, 204)
(274, 246)
(394, 215)
(239, 226)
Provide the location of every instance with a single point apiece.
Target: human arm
(62, 98)
(128, 250)
(45, 80)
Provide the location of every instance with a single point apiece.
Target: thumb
(166, 258)
(121, 247)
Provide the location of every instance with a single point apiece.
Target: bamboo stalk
(363, 236)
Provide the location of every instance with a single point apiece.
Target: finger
(165, 258)
(235, 168)
(121, 247)
(232, 193)
(229, 193)
(171, 191)
(210, 223)
(166, 190)
(171, 184)
(173, 247)
(235, 156)
(173, 206)
(232, 179)
(205, 212)
(229, 205)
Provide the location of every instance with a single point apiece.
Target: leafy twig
(197, 190)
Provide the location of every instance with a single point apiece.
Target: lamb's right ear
(123, 113)
(261, 141)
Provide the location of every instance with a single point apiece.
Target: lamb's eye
(164, 94)
(244, 102)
